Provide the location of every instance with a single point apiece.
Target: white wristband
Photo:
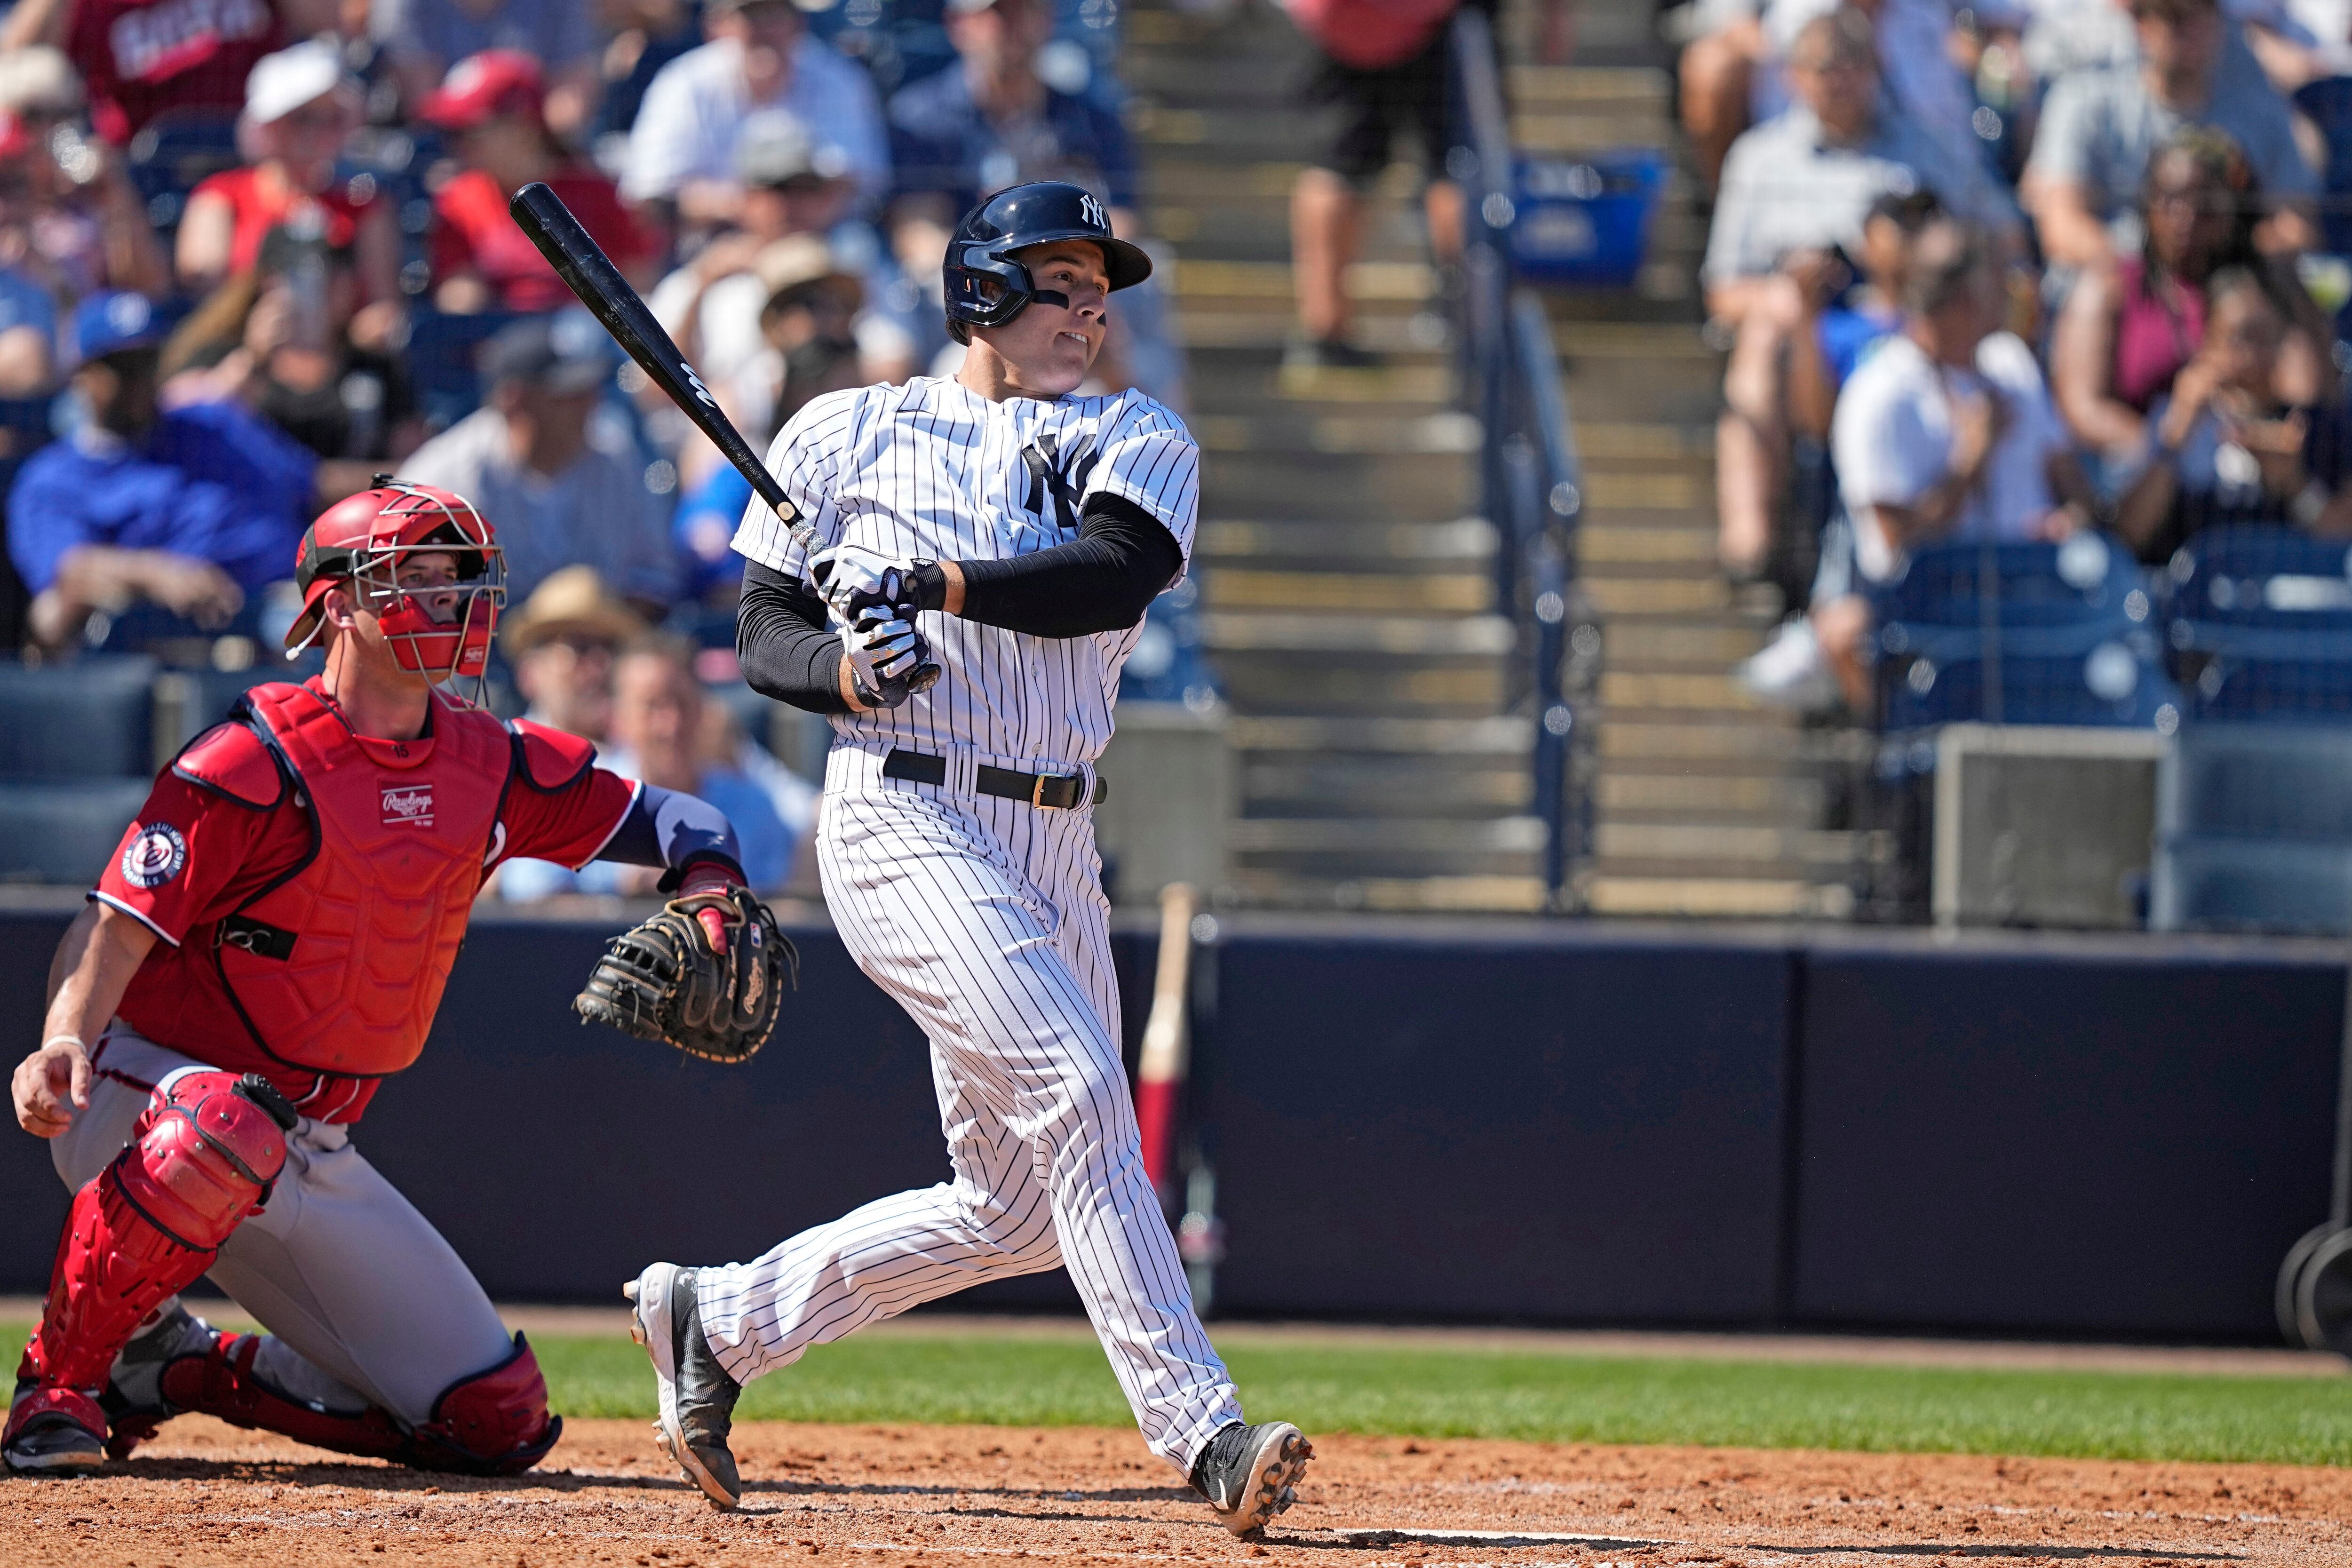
(72, 1039)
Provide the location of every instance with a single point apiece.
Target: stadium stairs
(1348, 583)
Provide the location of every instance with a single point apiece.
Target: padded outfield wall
(1526, 1122)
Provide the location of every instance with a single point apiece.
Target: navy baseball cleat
(698, 1397)
(1249, 1474)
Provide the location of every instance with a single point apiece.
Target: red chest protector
(340, 967)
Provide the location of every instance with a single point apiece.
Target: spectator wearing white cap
(299, 108)
(146, 59)
(426, 38)
(72, 222)
(760, 56)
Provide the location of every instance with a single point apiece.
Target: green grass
(1544, 1397)
(1026, 1381)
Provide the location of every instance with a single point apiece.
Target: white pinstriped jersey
(932, 470)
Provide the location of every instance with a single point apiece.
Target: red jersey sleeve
(569, 822)
(176, 864)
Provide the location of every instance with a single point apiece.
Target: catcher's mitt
(665, 981)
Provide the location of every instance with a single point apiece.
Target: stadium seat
(171, 156)
(2327, 104)
(2020, 634)
(441, 371)
(2254, 829)
(64, 833)
(2258, 625)
(92, 718)
(1169, 663)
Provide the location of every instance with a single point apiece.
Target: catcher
(269, 945)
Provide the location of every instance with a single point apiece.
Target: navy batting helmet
(986, 287)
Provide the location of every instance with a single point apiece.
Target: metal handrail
(1531, 479)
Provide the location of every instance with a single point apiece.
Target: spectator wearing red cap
(565, 38)
(146, 59)
(493, 105)
(299, 108)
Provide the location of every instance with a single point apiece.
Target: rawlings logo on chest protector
(407, 805)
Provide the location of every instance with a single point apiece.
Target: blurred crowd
(2011, 270)
(255, 252)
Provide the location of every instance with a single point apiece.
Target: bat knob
(924, 678)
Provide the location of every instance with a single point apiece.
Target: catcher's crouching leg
(493, 1423)
(200, 1159)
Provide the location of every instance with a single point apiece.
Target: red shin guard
(202, 1158)
(222, 1383)
(493, 1424)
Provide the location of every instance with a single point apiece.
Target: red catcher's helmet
(363, 540)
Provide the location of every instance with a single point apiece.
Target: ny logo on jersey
(1060, 474)
(1092, 209)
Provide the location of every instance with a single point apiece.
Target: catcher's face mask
(420, 560)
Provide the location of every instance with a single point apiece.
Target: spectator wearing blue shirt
(990, 120)
(28, 336)
(194, 509)
(961, 135)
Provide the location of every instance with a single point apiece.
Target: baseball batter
(1012, 534)
(269, 944)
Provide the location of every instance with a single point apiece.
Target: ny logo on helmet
(1092, 209)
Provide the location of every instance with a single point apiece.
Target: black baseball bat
(589, 273)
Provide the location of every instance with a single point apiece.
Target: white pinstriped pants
(986, 919)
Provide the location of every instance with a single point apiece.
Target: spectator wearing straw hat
(760, 57)
(559, 644)
(300, 106)
(491, 106)
(563, 486)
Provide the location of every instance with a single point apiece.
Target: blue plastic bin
(1587, 221)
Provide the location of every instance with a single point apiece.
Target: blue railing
(1531, 482)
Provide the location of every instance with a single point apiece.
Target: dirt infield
(207, 1494)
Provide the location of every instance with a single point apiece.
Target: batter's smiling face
(1048, 349)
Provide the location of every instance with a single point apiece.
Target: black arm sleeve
(1101, 581)
(787, 650)
(665, 827)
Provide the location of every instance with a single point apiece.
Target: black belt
(1055, 792)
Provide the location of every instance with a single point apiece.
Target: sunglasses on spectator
(314, 117)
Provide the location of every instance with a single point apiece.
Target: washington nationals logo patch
(154, 854)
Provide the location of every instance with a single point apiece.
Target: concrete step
(1751, 798)
(1497, 894)
(1363, 686)
(1716, 897)
(1361, 547)
(1724, 845)
(1384, 787)
(1353, 593)
(1659, 644)
(1452, 736)
(1389, 846)
(1335, 487)
(1368, 431)
(1465, 636)
(1623, 692)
